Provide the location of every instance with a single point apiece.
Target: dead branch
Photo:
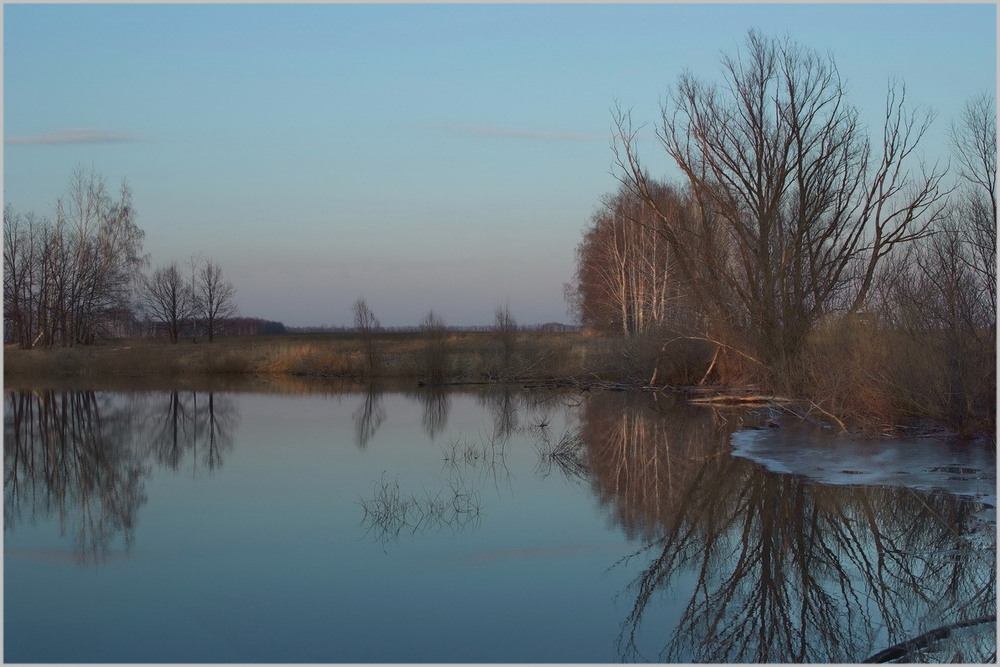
(905, 649)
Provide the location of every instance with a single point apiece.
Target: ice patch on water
(919, 463)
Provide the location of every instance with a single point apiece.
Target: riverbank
(576, 359)
(451, 357)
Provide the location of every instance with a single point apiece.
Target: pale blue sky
(422, 156)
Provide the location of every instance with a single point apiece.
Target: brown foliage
(792, 210)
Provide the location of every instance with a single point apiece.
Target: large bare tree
(795, 206)
(215, 297)
(23, 237)
(69, 279)
(167, 298)
(100, 245)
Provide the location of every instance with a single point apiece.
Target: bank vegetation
(801, 252)
(434, 356)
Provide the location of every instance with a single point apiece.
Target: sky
(434, 156)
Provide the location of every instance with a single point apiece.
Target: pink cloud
(481, 130)
(78, 135)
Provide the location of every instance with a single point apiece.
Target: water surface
(361, 525)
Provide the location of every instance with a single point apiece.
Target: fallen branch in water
(736, 398)
(832, 416)
(904, 649)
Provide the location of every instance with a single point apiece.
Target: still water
(321, 524)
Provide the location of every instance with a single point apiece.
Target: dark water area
(221, 524)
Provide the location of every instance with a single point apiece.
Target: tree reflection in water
(437, 403)
(504, 404)
(780, 569)
(567, 455)
(83, 455)
(369, 416)
(784, 570)
(177, 425)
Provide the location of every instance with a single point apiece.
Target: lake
(323, 523)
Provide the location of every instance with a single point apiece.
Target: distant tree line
(793, 230)
(502, 353)
(230, 326)
(81, 277)
(547, 327)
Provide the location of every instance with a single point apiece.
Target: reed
(867, 377)
(402, 355)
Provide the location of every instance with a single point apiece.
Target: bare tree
(167, 298)
(500, 357)
(215, 297)
(21, 283)
(100, 246)
(69, 280)
(367, 326)
(625, 275)
(435, 353)
(974, 145)
(794, 210)
(940, 295)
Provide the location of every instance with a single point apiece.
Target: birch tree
(625, 273)
(795, 206)
(70, 278)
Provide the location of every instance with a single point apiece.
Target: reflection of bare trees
(390, 513)
(82, 455)
(644, 454)
(68, 453)
(177, 424)
(567, 455)
(782, 569)
(436, 404)
(504, 403)
(368, 417)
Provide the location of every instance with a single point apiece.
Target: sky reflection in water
(441, 526)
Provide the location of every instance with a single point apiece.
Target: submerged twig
(904, 649)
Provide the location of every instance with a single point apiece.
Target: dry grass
(540, 355)
(869, 378)
(879, 379)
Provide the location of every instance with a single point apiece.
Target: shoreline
(407, 361)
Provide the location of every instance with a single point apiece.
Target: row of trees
(81, 277)
(790, 216)
(85, 456)
(205, 300)
(625, 269)
(501, 357)
(67, 281)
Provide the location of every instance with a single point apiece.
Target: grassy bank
(456, 357)
(855, 378)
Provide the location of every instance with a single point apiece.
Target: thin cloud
(484, 131)
(77, 135)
